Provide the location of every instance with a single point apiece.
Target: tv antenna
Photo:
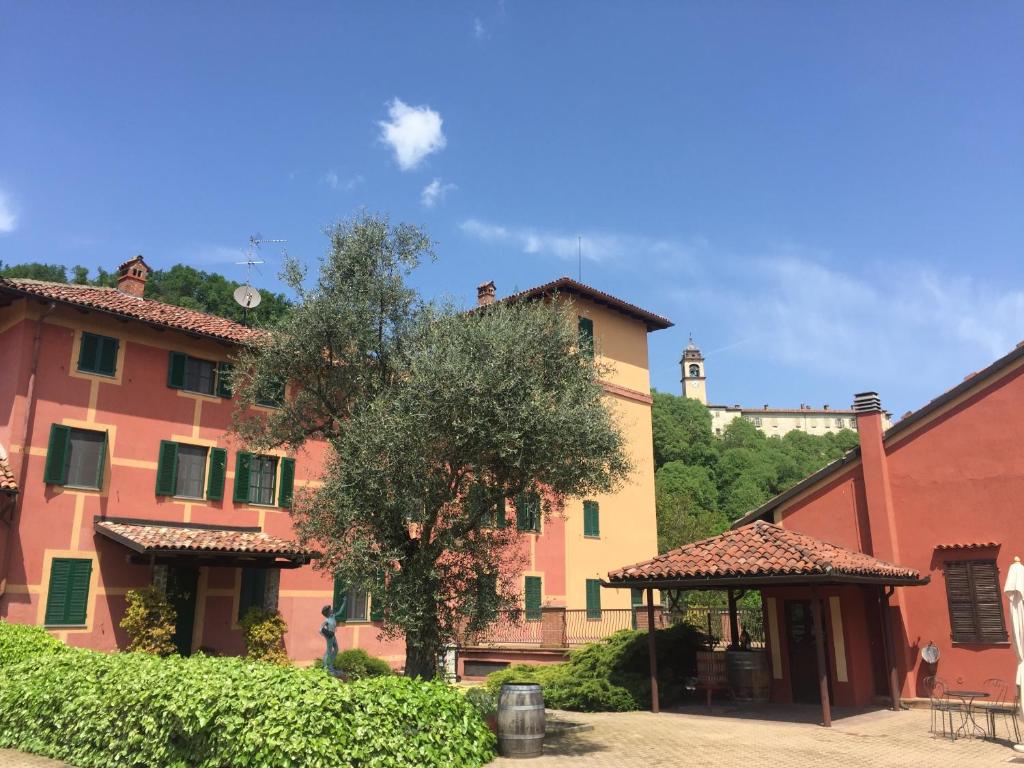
(579, 256)
(247, 296)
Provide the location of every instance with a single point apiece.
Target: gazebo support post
(734, 624)
(652, 651)
(890, 659)
(819, 642)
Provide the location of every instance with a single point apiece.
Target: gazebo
(788, 566)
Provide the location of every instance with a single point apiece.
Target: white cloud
(412, 132)
(894, 324)
(8, 217)
(435, 192)
(334, 181)
(595, 246)
(479, 30)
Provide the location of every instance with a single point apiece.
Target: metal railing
(580, 629)
(714, 621)
(508, 630)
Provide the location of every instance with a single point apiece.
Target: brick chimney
(485, 294)
(880, 540)
(131, 276)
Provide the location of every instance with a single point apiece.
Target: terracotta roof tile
(156, 537)
(759, 550)
(125, 305)
(568, 285)
(7, 481)
(970, 545)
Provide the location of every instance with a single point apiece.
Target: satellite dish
(930, 653)
(247, 296)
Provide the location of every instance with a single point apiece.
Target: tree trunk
(420, 658)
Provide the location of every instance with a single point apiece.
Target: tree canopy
(181, 285)
(704, 482)
(439, 423)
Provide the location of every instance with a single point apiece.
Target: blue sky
(828, 195)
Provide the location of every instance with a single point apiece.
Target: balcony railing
(508, 630)
(580, 629)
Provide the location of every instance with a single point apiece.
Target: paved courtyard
(879, 739)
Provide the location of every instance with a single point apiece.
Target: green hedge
(614, 675)
(98, 710)
(21, 641)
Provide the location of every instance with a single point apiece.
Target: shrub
(264, 636)
(357, 664)
(19, 642)
(149, 621)
(98, 710)
(483, 699)
(613, 675)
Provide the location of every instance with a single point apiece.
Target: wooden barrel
(748, 675)
(520, 720)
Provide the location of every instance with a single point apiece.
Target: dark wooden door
(803, 652)
(182, 584)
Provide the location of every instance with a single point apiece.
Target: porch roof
(758, 555)
(218, 545)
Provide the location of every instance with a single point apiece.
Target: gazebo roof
(760, 554)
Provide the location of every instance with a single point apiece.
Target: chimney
(880, 539)
(485, 294)
(131, 277)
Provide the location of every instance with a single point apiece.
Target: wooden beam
(734, 624)
(652, 651)
(819, 642)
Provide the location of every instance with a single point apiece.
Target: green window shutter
(253, 590)
(56, 471)
(340, 598)
(242, 462)
(224, 371)
(501, 515)
(593, 598)
(107, 356)
(586, 336)
(521, 512)
(102, 460)
(88, 353)
(176, 370)
(636, 596)
(67, 598)
(284, 494)
(533, 597)
(215, 475)
(528, 512)
(591, 519)
(167, 468)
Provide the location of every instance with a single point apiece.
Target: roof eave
(763, 581)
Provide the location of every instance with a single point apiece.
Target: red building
(121, 472)
(936, 498)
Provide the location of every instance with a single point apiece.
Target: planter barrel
(747, 673)
(520, 720)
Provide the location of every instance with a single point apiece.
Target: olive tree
(436, 421)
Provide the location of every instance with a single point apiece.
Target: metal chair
(941, 705)
(1000, 707)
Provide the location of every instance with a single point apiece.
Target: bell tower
(692, 365)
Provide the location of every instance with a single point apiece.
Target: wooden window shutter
(215, 474)
(57, 594)
(586, 336)
(67, 598)
(78, 598)
(521, 512)
(339, 601)
(591, 519)
(242, 462)
(88, 352)
(593, 599)
(56, 471)
(377, 605)
(533, 592)
(636, 596)
(975, 603)
(528, 512)
(284, 494)
(107, 356)
(224, 371)
(253, 590)
(101, 463)
(176, 370)
(167, 468)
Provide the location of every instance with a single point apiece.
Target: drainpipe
(26, 439)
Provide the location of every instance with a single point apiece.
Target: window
(839, 423)
(593, 598)
(528, 512)
(67, 598)
(757, 421)
(591, 519)
(202, 376)
(975, 602)
(254, 479)
(262, 476)
(354, 600)
(75, 457)
(191, 471)
(586, 336)
(532, 595)
(181, 469)
(273, 397)
(695, 370)
(253, 590)
(98, 354)
(493, 513)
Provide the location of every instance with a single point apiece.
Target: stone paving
(729, 738)
(725, 739)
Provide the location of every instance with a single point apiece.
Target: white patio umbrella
(1014, 590)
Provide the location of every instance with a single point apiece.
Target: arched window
(694, 370)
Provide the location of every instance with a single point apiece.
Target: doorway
(182, 585)
(803, 652)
